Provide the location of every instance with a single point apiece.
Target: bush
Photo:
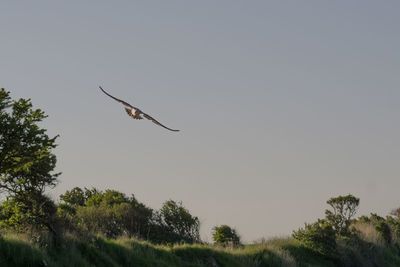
(319, 236)
(110, 213)
(381, 225)
(173, 223)
(36, 213)
(225, 235)
(383, 228)
(395, 226)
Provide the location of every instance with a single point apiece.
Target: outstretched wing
(119, 100)
(156, 122)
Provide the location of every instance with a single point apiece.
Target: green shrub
(36, 213)
(174, 223)
(112, 214)
(395, 226)
(383, 228)
(319, 236)
(225, 235)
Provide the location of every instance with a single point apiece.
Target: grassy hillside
(19, 250)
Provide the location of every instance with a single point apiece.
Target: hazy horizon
(281, 105)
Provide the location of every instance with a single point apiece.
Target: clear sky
(281, 104)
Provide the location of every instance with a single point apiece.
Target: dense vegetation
(90, 227)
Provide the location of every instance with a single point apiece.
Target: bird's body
(135, 112)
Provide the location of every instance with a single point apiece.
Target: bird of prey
(135, 112)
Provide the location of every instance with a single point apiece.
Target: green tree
(343, 209)
(110, 213)
(75, 197)
(319, 236)
(225, 235)
(26, 163)
(71, 200)
(176, 223)
(109, 198)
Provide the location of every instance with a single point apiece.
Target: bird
(136, 113)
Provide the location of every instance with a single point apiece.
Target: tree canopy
(225, 235)
(343, 209)
(26, 161)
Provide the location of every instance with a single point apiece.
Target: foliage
(175, 223)
(26, 165)
(110, 213)
(395, 227)
(383, 228)
(318, 236)
(225, 235)
(344, 208)
(19, 215)
(78, 196)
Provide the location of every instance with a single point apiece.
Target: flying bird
(135, 112)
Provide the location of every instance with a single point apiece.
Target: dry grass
(368, 234)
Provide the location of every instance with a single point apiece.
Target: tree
(18, 215)
(78, 196)
(110, 213)
(176, 223)
(26, 161)
(344, 208)
(319, 236)
(225, 235)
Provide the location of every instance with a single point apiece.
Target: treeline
(113, 214)
(340, 236)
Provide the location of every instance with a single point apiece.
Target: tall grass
(367, 233)
(24, 250)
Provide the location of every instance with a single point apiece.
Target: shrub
(174, 223)
(395, 226)
(35, 213)
(110, 213)
(319, 236)
(383, 228)
(225, 235)
(381, 225)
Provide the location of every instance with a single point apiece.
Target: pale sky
(281, 104)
